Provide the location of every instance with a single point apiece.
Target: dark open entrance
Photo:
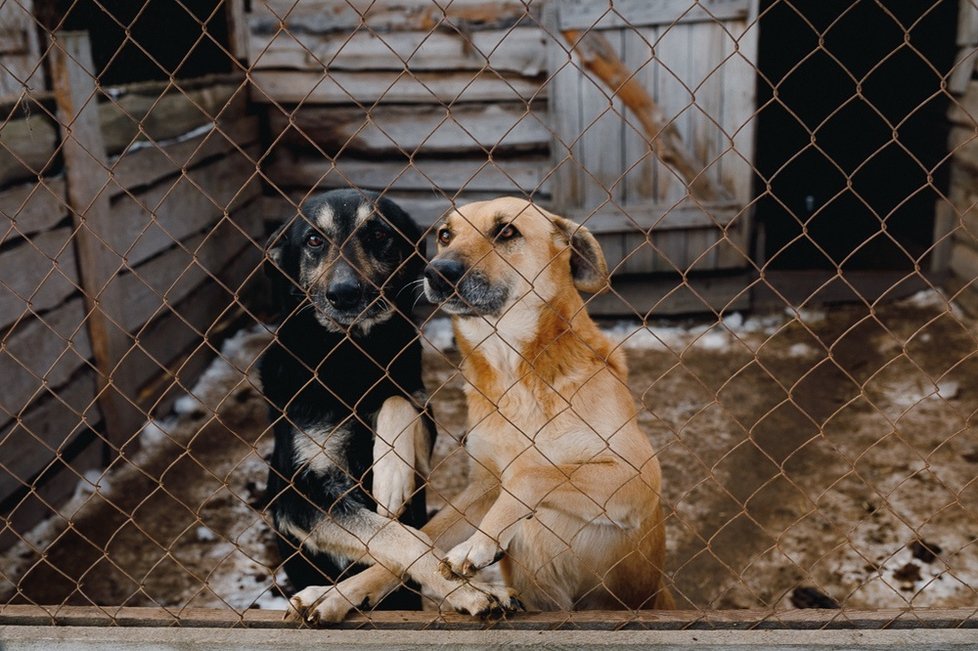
(874, 107)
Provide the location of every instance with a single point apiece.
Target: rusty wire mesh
(812, 455)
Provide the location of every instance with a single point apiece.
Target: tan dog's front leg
(617, 497)
(451, 525)
(400, 436)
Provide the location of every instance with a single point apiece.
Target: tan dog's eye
(507, 232)
(444, 236)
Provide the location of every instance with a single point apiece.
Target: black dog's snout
(444, 275)
(344, 291)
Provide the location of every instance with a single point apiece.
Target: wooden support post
(600, 59)
(88, 189)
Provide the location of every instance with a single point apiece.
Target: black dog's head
(352, 254)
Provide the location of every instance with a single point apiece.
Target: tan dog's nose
(444, 274)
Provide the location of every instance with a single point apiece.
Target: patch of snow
(713, 340)
(948, 389)
(204, 534)
(187, 404)
(801, 350)
(190, 135)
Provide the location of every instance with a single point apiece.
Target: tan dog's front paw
(467, 558)
(320, 605)
(483, 600)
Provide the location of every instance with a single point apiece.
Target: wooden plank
(32, 207)
(964, 109)
(565, 105)
(291, 87)
(520, 50)
(518, 176)
(967, 24)
(42, 352)
(639, 163)
(171, 112)
(20, 52)
(27, 147)
(146, 165)
(388, 130)
(51, 490)
(168, 278)
(601, 148)
(780, 289)
(807, 619)
(37, 275)
(671, 295)
(237, 29)
(184, 325)
(344, 16)
(646, 217)
(964, 262)
(30, 443)
(153, 220)
(738, 117)
(946, 222)
(963, 69)
(87, 176)
(608, 14)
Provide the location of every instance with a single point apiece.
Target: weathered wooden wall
(20, 50)
(956, 217)
(427, 105)
(437, 106)
(180, 233)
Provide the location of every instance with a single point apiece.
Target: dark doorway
(179, 38)
(874, 107)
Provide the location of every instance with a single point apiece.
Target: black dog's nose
(344, 294)
(443, 275)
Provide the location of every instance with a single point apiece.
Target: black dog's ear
(275, 249)
(274, 266)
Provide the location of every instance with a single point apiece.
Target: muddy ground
(830, 449)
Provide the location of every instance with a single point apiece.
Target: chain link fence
(782, 193)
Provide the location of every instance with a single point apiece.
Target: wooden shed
(134, 210)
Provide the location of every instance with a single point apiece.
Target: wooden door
(696, 61)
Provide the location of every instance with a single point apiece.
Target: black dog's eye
(379, 235)
(314, 241)
(444, 236)
(507, 232)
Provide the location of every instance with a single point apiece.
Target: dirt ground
(830, 449)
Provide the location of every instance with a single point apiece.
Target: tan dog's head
(492, 254)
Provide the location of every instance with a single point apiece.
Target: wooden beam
(291, 87)
(605, 14)
(345, 16)
(520, 50)
(469, 174)
(32, 207)
(27, 146)
(87, 176)
(600, 59)
(600, 620)
(387, 130)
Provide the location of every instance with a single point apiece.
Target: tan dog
(563, 486)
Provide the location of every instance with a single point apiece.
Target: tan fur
(551, 418)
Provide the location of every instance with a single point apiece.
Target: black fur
(319, 376)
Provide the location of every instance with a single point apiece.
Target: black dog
(352, 437)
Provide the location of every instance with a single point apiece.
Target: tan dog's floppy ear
(588, 266)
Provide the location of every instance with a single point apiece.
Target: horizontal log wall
(956, 217)
(430, 106)
(186, 222)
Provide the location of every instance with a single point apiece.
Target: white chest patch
(321, 448)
